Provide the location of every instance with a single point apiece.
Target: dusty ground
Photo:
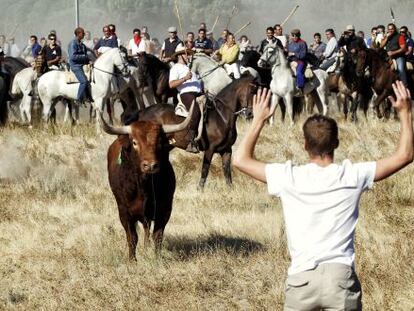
(62, 244)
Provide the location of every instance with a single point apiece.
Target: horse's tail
(3, 102)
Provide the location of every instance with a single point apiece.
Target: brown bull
(142, 178)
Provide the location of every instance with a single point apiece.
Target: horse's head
(250, 58)
(269, 57)
(143, 68)
(121, 60)
(361, 62)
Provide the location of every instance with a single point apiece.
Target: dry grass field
(62, 245)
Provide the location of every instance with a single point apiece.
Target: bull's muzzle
(150, 167)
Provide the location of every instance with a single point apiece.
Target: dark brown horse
(155, 74)
(219, 131)
(349, 87)
(382, 77)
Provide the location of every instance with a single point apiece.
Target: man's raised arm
(243, 158)
(404, 153)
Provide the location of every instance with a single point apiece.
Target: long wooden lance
(290, 15)
(180, 24)
(244, 26)
(215, 23)
(231, 16)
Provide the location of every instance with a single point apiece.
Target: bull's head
(145, 140)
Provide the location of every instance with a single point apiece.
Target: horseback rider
(53, 53)
(136, 44)
(297, 49)
(280, 36)
(270, 38)
(202, 44)
(170, 45)
(107, 42)
(189, 88)
(394, 44)
(409, 42)
(230, 55)
(329, 55)
(77, 58)
(351, 42)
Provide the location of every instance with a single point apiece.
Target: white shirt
(331, 48)
(320, 207)
(179, 71)
(283, 39)
(135, 49)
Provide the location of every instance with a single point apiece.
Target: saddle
(181, 110)
(408, 65)
(308, 71)
(71, 78)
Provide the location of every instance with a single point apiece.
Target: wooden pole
(180, 24)
(215, 23)
(290, 14)
(244, 26)
(231, 16)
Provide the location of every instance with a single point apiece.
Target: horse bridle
(266, 61)
(123, 69)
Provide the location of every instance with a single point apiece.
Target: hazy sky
(24, 17)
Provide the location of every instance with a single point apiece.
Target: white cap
(350, 27)
(172, 29)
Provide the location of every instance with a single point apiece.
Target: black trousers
(187, 99)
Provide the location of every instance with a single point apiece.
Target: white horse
(105, 82)
(23, 85)
(213, 75)
(283, 84)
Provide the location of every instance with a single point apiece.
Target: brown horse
(349, 87)
(382, 77)
(219, 131)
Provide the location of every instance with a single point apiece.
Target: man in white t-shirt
(189, 88)
(136, 45)
(320, 204)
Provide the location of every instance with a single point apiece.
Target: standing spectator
(4, 45)
(280, 36)
(88, 40)
(43, 42)
(320, 202)
(317, 47)
(14, 50)
(144, 30)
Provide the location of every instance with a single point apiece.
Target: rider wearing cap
(189, 88)
(170, 45)
(351, 41)
(297, 49)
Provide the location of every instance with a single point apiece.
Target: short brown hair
(321, 135)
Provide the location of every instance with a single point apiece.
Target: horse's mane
(232, 87)
(155, 61)
(10, 61)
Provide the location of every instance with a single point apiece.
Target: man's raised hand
(261, 109)
(403, 97)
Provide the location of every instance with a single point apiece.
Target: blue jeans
(401, 62)
(300, 77)
(84, 84)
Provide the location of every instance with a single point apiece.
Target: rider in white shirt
(136, 45)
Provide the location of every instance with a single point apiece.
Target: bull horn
(171, 128)
(112, 130)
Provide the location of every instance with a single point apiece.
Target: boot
(192, 145)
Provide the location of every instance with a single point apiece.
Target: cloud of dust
(13, 164)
